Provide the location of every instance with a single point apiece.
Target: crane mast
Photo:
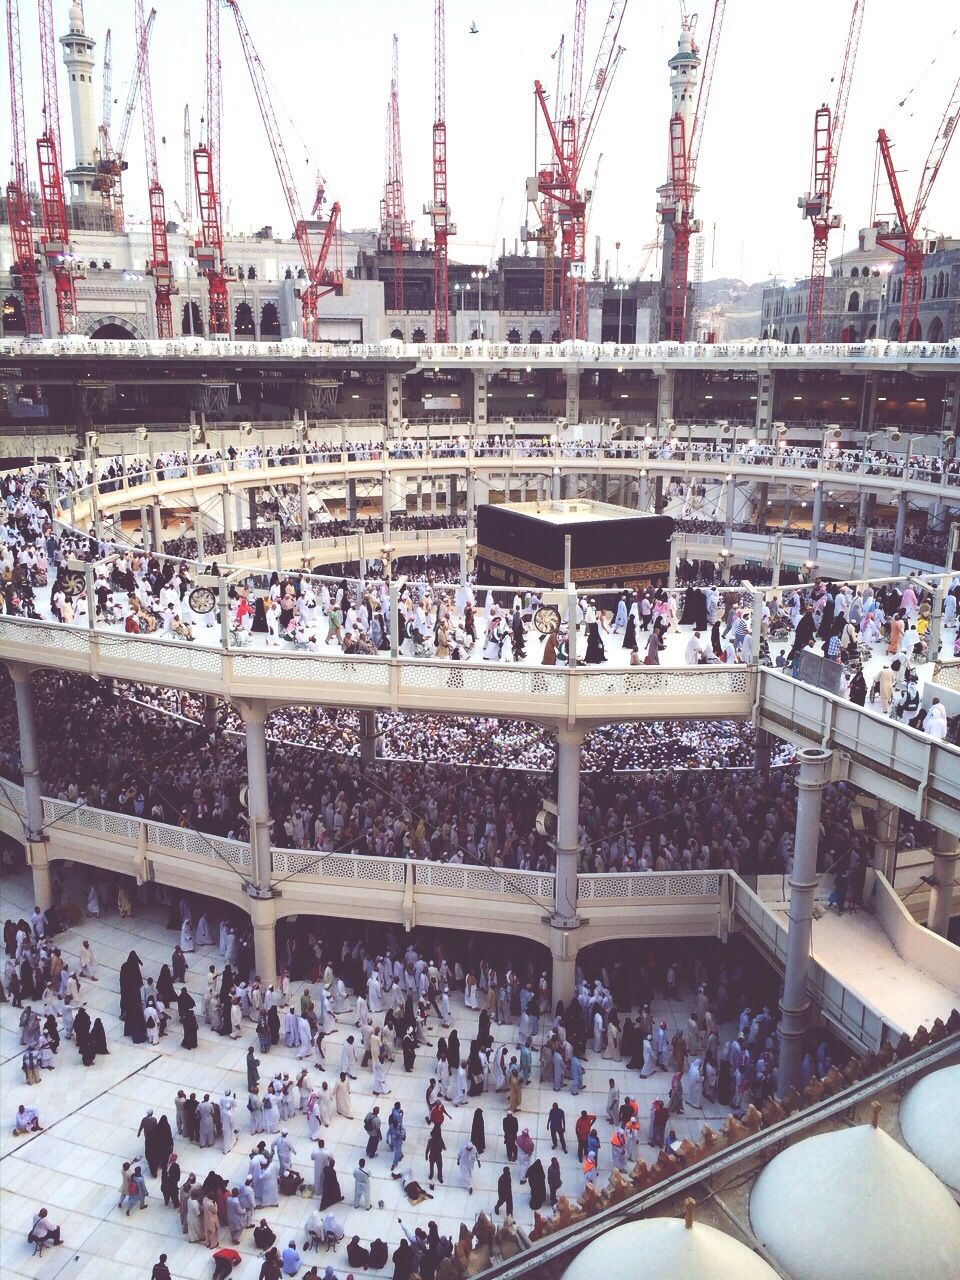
(24, 262)
(159, 265)
(816, 203)
(320, 279)
(439, 210)
(206, 169)
(394, 226)
(903, 239)
(55, 244)
(187, 167)
(111, 163)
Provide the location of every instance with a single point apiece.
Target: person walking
(361, 1185)
(505, 1192)
(557, 1127)
(434, 1155)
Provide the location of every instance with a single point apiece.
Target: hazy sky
(329, 64)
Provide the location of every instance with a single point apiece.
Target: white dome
(854, 1203)
(930, 1123)
(76, 18)
(667, 1249)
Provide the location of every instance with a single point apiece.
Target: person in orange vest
(618, 1149)
(633, 1140)
(585, 1123)
(589, 1172)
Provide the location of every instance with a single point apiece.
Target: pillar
(278, 546)
(571, 484)
(368, 738)
(304, 516)
(34, 839)
(945, 855)
(665, 412)
(868, 402)
(254, 712)
(815, 518)
(394, 405)
(572, 410)
(227, 523)
(480, 397)
(386, 501)
(674, 554)
(209, 711)
(898, 533)
(731, 502)
(252, 514)
(865, 512)
(418, 505)
(936, 621)
(156, 525)
(145, 529)
(764, 416)
(568, 825)
(563, 983)
(198, 535)
(763, 497)
(471, 505)
(642, 496)
(777, 560)
(885, 840)
(352, 500)
(761, 752)
(263, 916)
(794, 1005)
(658, 491)
(453, 497)
(951, 406)
(555, 490)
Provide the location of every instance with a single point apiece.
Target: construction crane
(675, 206)
(438, 209)
(111, 161)
(558, 182)
(206, 170)
(187, 212)
(394, 228)
(321, 279)
(24, 265)
(816, 203)
(903, 239)
(55, 244)
(158, 265)
(106, 115)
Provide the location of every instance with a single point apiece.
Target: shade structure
(930, 1124)
(667, 1249)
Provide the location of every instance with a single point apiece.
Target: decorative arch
(853, 302)
(555, 336)
(854, 273)
(536, 335)
(873, 331)
(914, 333)
(765, 334)
(243, 326)
(923, 288)
(893, 332)
(795, 336)
(849, 333)
(192, 320)
(396, 333)
(269, 320)
(513, 335)
(935, 330)
(418, 335)
(14, 319)
(117, 328)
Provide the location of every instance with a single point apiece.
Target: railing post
(794, 1006)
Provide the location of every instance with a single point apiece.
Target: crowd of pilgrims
(149, 764)
(391, 1003)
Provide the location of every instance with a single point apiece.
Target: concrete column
(453, 497)
(254, 712)
(794, 1005)
(471, 505)
(885, 839)
(145, 529)
(394, 618)
(761, 752)
(34, 839)
(867, 550)
(951, 406)
(563, 983)
(936, 621)
(368, 738)
(480, 397)
(386, 499)
(643, 497)
(865, 512)
(209, 711)
(763, 497)
(898, 533)
(674, 556)
(156, 525)
(419, 498)
(394, 405)
(568, 824)
(263, 915)
(304, 516)
(278, 546)
(570, 484)
(252, 513)
(764, 417)
(226, 498)
(572, 410)
(731, 503)
(815, 519)
(665, 383)
(868, 402)
(352, 499)
(555, 489)
(777, 559)
(945, 856)
(198, 535)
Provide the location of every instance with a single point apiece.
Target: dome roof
(854, 1203)
(667, 1249)
(930, 1123)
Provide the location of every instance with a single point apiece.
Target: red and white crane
(321, 278)
(677, 195)
(394, 227)
(55, 243)
(903, 239)
(817, 202)
(438, 209)
(24, 263)
(111, 161)
(562, 199)
(206, 170)
(159, 263)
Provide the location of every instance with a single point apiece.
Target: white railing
(339, 866)
(369, 672)
(650, 886)
(490, 677)
(711, 680)
(493, 881)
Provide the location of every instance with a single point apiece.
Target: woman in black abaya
(537, 1182)
(131, 981)
(477, 1135)
(97, 1040)
(189, 1023)
(165, 988)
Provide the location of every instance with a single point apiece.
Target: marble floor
(91, 1116)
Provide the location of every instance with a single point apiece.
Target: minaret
(684, 67)
(79, 61)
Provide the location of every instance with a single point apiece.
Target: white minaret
(79, 61)
(684, 68)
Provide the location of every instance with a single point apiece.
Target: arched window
(513, 335)
(853, 302)
(849, 334)
(14, 320)
(243, 326)
(536, 335)
(923, 288)
(396, 333)
(418, 335)
(764, 335)
(913, 333)
(893, 332)
(795, 337)
(873, 331)
(269, 321)
(855, 271)
(555, 336)
(935, 331)
(192, 323)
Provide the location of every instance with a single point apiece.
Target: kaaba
(522, 544)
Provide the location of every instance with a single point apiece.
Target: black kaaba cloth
(522, 544)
